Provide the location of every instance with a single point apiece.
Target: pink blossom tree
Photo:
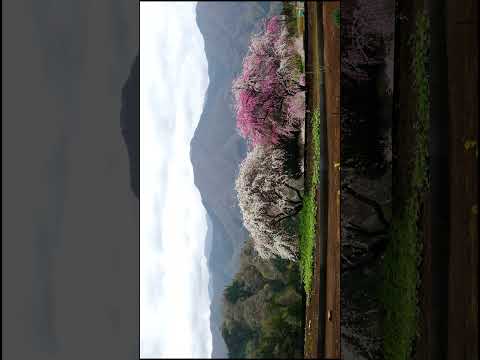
(270, 90)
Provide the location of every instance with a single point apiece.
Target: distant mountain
(216, 148)
(130, 123)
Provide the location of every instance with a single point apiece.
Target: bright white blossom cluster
(268, 197)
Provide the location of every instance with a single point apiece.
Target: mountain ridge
(217, 149)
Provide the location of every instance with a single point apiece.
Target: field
(402, 273)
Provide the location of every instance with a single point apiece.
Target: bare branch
(375, 205)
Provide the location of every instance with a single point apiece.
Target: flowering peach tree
(269, 93)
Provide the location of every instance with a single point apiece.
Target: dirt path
(322, 334)
(332, 97)
(462, 53)
(433, 292)
(314, 318)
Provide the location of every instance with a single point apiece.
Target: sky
(174, 300)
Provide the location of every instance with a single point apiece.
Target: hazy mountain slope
(216, 148)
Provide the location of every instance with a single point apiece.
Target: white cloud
(174, 301)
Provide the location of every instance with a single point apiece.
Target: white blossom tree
(269, 199)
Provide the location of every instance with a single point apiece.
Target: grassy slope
(307, 218)
(403, 253)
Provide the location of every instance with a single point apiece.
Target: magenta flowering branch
(270, 78)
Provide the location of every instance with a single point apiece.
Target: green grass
(336, 17)
(403, 254)
(307, 217)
